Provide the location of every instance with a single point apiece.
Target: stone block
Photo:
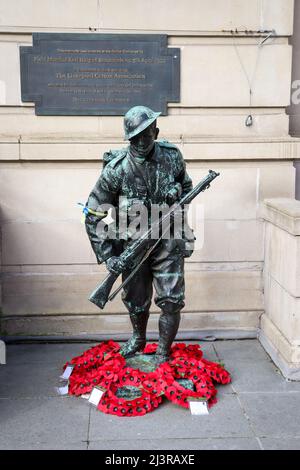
(195, 325)
(46, 295)
(203, 20)
(221, 291)
(39, 294)
(10, 91)
(284, 213)
(283, 309)
(72, 150)
(279, 349)
(215, 78)
(225, 320)
(240, 149)
(84, 148)
(228, 241)
(181, 125)
(282, 251)
(192, 150)
(38, 242)
(9, 150)
(283, 173)
(49, 194)
(278, 15)
(23, 121)
(62, 14)
(280, 326)
(232, 195)
(283, 352)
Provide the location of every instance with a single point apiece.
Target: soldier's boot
(137, 342)
(168, 327)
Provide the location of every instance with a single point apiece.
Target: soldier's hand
(174, 194)
(115, 265)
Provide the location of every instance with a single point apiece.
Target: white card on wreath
(63, 390)
(96, 395)
(67, 372)
(198, 406)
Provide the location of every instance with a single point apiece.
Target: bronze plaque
(99, 74)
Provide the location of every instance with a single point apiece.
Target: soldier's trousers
(165, 271)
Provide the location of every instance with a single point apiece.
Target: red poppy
(150, 348)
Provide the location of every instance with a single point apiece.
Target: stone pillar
(280, 324)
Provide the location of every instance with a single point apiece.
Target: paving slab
(12, 445)
(258, 376)
(281, 443)
(273, 414)
(225, 419)
(241, 350)
(51, 421)
(29, 380)
(59, 354)
(176, 444)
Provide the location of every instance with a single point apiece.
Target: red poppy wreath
(131, 391)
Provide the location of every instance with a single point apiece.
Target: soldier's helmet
(137, 119)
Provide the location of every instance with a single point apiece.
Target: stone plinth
(280, 324)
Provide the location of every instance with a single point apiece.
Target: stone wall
(49, 163)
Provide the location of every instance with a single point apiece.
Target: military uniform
(121, 178)
(147, 181)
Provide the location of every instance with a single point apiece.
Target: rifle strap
(136, 169)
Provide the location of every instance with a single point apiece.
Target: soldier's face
(143, 143)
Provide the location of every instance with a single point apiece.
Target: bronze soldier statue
(151, 172)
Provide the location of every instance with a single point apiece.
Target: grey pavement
(258, 410)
